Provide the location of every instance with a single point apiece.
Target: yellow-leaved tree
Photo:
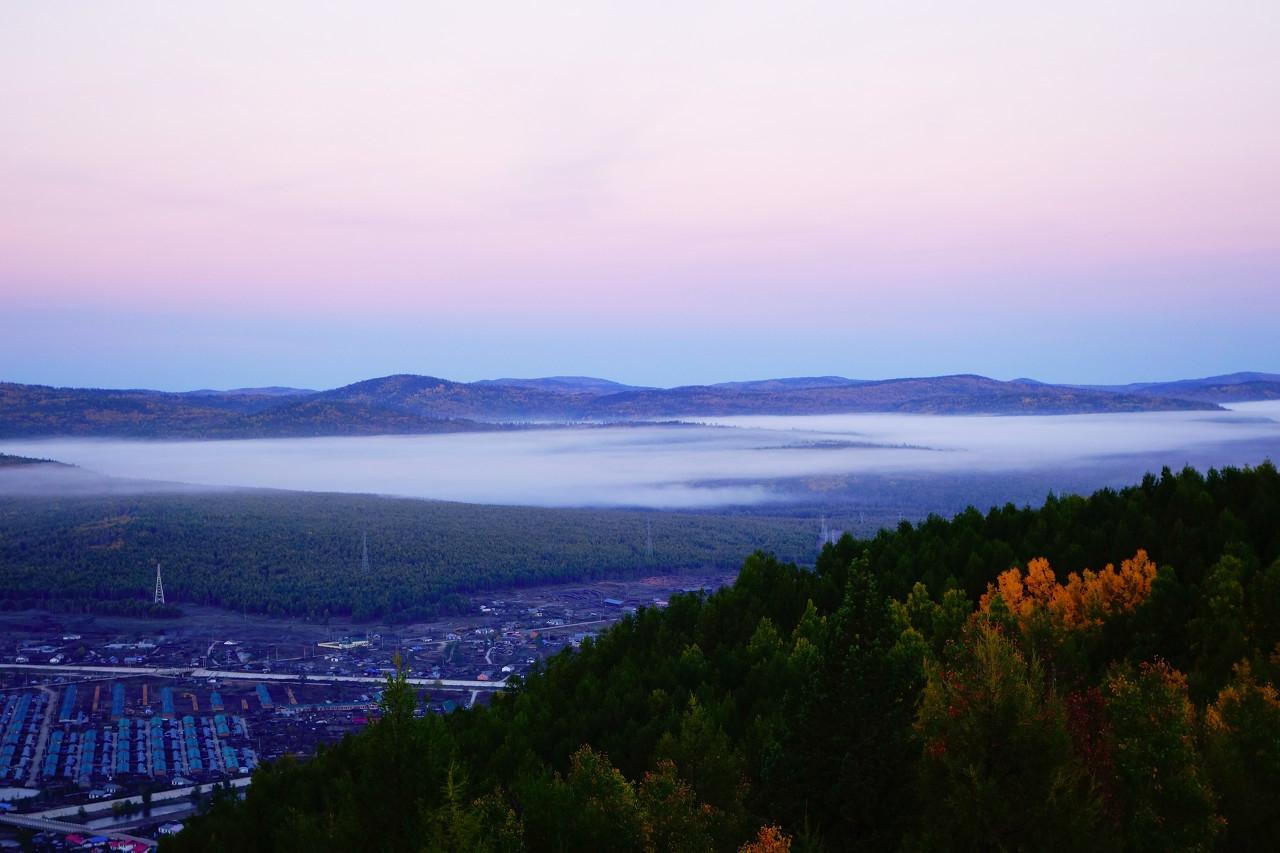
(1087, 598)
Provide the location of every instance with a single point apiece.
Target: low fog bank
(55, 481)
(721, 462)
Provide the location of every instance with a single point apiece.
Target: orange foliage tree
(1087, 599)
(770, 839)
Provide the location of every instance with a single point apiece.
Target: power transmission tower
(364, 552)
(159, 599)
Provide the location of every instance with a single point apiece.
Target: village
(113, 731)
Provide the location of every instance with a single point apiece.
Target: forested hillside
(298, 554)
(38, 410)
(1098, 673)
(410, 404)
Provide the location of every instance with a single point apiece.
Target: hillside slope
(962, 394)
(37, 410)
(1226, 388)
(869, 704)
(407, 403)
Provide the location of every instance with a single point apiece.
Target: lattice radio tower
(364, 552)
(159, 599)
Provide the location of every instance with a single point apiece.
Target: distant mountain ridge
(1227, 388)
(37, 410)
(567, 384)
(267, 391)
(794, 383)
(957, 394)
(412, 403)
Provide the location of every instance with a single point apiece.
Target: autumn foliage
(1087, 599)
(770, 839)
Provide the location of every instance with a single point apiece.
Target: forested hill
(1227, 388)
(407, 404)
(1095, 674)
(297, 553)
(37, 410)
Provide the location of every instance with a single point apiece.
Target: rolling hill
(961, 394)
(37, 410)
(567, 384)
(413, 404)
(1225, 388)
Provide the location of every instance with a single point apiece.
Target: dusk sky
(308, 193)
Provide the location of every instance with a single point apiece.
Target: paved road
(459, 683)
(99, 670)
(105, 805)
(65, 682)
(63, 828)
(233, 675)
(547, 629)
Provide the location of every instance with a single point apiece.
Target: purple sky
(311, 193)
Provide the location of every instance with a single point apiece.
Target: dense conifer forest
(298, 554)
(1098, 672)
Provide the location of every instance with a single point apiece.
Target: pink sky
(792, 167)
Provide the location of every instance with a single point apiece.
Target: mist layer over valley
(710, 463)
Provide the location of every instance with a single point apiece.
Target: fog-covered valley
(714, 462)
